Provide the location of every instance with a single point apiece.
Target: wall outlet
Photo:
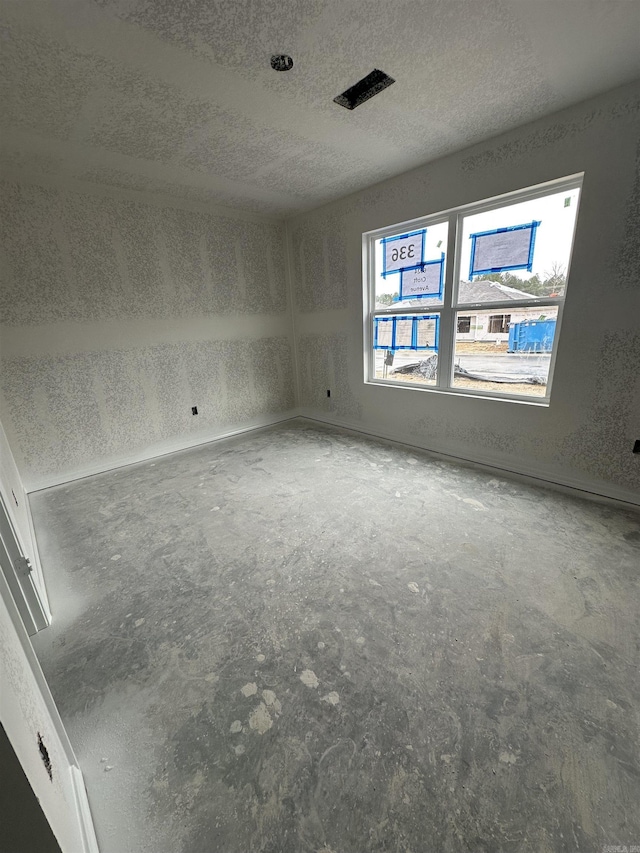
(636, 446)
(194, 410)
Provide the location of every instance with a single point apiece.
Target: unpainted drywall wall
(27, 719)
(118, 316)
(585, 437)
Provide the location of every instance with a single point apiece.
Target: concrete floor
(303, 640)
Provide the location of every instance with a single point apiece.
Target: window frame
(449, 308)
(467, 322)
(503, 323)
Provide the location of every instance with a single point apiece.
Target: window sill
(539, 402)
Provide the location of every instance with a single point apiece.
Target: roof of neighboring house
(475, 291)
(482, 290)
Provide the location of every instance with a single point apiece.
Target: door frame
(36, 695)
(19, 573)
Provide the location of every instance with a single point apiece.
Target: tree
(556, 279)
(386, 298)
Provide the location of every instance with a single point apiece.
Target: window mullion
(410, 311)
(508, 306)
(447, 314)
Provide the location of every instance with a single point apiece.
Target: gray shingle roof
(474, 291)
(482, 290)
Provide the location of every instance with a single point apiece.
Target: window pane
(518, 251)
(410, 268)
(406, 348)
(414, 366)
(508, 353)
(499, 322)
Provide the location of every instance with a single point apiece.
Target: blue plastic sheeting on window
(503, 249)
(425, 282)
(403, 252)
(390, 333)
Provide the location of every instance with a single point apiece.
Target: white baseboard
(85, 820)
(152, 452)
(537, 475)
(533, 474)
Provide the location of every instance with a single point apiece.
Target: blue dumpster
(532, 336)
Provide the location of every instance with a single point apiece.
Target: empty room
(320, 426)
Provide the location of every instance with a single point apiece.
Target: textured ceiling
(177, 97)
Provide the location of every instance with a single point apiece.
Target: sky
(552, 245)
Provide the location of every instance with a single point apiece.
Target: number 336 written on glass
(403, 252)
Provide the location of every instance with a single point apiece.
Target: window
(470, 301)
(499, 323)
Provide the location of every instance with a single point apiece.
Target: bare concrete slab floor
(303, 640)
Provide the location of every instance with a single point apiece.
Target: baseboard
(535, 475)
(153, 452)
(85, 820)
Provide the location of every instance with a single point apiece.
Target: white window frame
(450, 306)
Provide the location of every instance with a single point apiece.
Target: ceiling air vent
(364, 89)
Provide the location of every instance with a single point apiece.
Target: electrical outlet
(328, 392)
(636, 446)
(194, 410)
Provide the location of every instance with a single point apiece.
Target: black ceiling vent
(364, 89)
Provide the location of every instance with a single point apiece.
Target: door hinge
(23, 566)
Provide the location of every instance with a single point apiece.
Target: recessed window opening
(464, 325)
(470, 301)
(499, 323)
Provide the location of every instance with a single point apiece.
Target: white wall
(120, 313)
(27, 710)
(585, 437)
